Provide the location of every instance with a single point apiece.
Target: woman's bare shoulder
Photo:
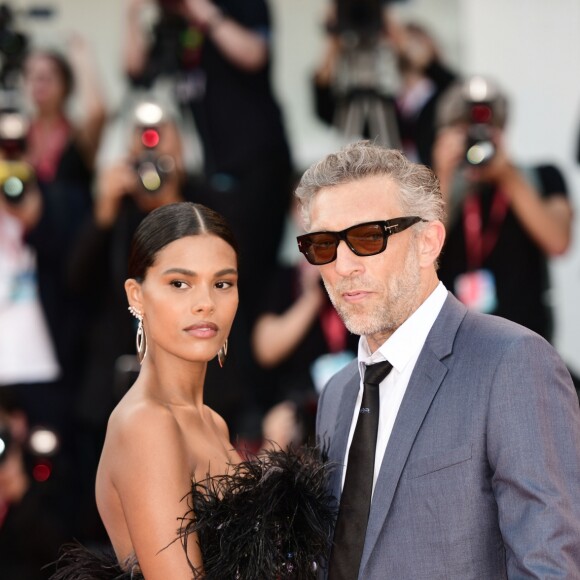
(136, 420)
(219, 422)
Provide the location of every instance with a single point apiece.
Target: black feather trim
(270, 518)
(79, 563)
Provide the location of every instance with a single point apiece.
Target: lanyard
(480, 241)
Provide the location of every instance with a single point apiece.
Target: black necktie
(355, 501)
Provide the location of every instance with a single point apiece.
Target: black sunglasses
(365, 239)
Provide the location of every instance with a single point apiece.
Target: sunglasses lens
(367, 239)
(320, 248)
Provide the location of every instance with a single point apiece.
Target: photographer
(386, 78)
(505, 220)
(219, 55)
(358, 68)
(126, 192)
(62, 153)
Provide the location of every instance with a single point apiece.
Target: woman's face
(189, 297)
(44, 82)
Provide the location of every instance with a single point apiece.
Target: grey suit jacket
(481, 476)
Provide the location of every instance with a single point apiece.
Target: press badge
(477, 290)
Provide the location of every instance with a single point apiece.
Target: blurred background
(82, 162)
(530, 49)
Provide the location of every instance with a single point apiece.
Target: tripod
(365, 85)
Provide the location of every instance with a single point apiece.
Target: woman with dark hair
(56, 144)
(183, 290)
(62, 153)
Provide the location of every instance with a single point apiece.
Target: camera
(15, 174)
(480, 147)
(151, 167)
(481, 117)
(15, 178)
(367, 77)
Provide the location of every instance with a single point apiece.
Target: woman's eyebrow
(186, 272)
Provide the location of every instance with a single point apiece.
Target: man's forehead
(368, 199)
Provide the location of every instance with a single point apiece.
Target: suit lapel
(425, 381)
(343, 424)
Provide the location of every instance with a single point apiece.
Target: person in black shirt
(505, 220)
(219, 55)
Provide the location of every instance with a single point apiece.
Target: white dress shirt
(402, 350)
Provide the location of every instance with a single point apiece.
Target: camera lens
(480, 152)
(149, 176)
(13, 189)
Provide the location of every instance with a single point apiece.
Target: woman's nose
(203, 300)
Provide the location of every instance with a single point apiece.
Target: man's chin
(356, 324)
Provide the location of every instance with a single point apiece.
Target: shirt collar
(409, 338)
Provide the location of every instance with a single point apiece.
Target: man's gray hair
(418, 188)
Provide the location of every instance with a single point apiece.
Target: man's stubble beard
(400, 296)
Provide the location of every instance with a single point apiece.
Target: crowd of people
(67, 340)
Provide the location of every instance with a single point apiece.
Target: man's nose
(347, 262)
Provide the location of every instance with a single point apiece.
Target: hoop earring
(141, 338)
(222, 354)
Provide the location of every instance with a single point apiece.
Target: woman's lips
(202, 330)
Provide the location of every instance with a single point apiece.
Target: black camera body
(480, 147)
(16, 175)
(151, 167)
(362, 18)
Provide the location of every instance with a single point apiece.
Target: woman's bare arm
(152, 476)
(91, 98)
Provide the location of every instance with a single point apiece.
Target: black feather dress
(270, 518)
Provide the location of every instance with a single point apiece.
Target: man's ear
(432, 239)
(134, 294)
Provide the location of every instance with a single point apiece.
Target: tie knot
(374, 374)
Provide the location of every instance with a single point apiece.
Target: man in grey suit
(475, 464)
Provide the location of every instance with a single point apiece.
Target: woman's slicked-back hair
(418, 188)
(172, 222)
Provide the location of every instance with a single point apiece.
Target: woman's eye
(223, 284)
(178, 284)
